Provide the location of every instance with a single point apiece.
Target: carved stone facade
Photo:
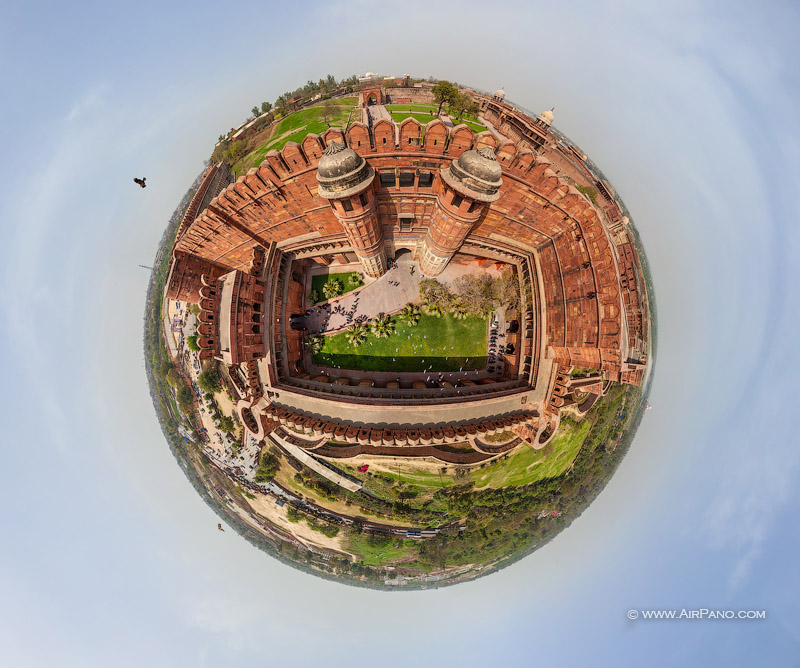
(437, 191)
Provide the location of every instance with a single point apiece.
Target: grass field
(374, 554)
(294, 127)
(475, 127)
(435, 344)
(346, 278)
(528, 465)
(399, 116)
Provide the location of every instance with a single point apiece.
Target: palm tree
(333, 288)
(314, 343)
(410, 314)
(382, 326)
(357, 334)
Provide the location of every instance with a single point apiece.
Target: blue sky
(110, 558)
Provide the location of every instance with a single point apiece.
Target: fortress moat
(401, 353)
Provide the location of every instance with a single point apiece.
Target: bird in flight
(141, 181)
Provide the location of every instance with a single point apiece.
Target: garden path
(387, 294)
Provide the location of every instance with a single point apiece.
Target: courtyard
(435, 344)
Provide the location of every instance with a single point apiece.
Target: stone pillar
(345, 180)
(468, 185)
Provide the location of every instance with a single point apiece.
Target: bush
(191, 342)
(313, 297)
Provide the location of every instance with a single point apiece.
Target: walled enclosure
(507, 195)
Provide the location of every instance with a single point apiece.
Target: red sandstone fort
(504, 197)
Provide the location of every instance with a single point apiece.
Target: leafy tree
(164, 368)
(191, 342)
(255, 111)
(237, 150)
(382, 326)
(463, 104)
(174, 377)
(265, 107)
(185, 397)
(328, 110)
(268, 467)
(314, 343)
(357, 334)
(475, 294)
(209, 380)
(444, 91)
(333, 288)
(435, 296)
(506, 291)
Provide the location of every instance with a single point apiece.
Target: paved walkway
(313, 464)
(382, 295)
(493, 130)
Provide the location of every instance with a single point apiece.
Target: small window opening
(425, 180)
(406, 179)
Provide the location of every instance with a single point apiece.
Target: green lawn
(346, 278)
(412, 107)
(402, 471)
(475, 127)
(435, 344)
(372, 554)
(302, 123)
(399, 116)
(527, 465)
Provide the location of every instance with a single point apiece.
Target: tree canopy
(209, 380)
(444, 91)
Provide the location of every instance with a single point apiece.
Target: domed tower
(545, 119)
(467, 187)
(345, 180)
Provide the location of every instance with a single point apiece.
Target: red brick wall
(585, 287)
